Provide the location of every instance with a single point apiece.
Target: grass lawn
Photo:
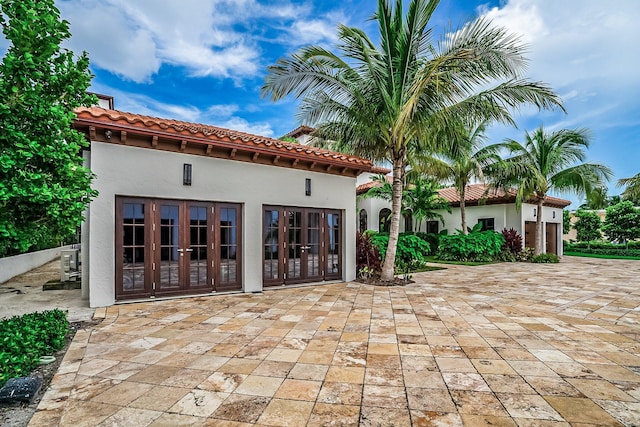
(439, 261)
(601, 256)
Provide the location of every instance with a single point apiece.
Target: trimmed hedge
(24, 339)
(610, 251)
(602, 245)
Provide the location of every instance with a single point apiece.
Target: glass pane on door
(294, 230)
(313, 247)
(333, 242)
(133, 246)
(169, 245)
(271, 244)
(198, 244)
(228, 245)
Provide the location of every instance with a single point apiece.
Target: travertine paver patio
(500, 345)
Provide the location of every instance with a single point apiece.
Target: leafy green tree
(44, 187)
(464, 161)
(587, 226)
(632, 188)
(378, 101)
(566, 222)
(622, 222)
(547, 162)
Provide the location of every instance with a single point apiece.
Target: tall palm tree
(465, 161)
(375, 101)
(632, 190)
(547, 162)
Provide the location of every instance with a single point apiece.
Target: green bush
(410, 252)
(604, 248)
(607, 251)
(483, 246)
(545, 259)
(432, 239)
(24, 339)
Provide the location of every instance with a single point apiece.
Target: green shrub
(431, 239)
(24, 339)
(604, 248)
(545, 259)
(368, 259)
(608, 251)
(410, 252)
(480, 246)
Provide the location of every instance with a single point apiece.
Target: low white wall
(15, 265)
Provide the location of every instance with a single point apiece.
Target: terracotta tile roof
(475, 194)
(363, 188)
(300, 130)
(204, 135)
(480, 193)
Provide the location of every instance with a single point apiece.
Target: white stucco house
(185, 209)
(495, 210)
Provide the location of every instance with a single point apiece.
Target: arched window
(384, 220)
(363, 220)
(408, 222)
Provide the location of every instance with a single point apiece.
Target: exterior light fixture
(535, 211)
(554, 214)
(186, 174)
(307, 186)
(108, 133)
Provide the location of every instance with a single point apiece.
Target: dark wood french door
(175, 247)
(301, 245)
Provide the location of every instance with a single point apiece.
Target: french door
(301, 245)
(174, 247)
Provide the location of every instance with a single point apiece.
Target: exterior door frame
(282, 277)
(152, 248)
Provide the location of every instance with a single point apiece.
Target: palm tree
(376, 101)
(423, 201)
(550, 161)
(467, 160)
(420, 198)
(632, 190)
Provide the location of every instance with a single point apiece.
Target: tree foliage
(587, 226)
(44, 187)
(382, 101)
(622, 222)
(546, 162)
(566, 221)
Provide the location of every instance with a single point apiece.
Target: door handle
(185, 250)
(305, 247)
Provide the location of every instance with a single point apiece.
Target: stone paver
(506, 344)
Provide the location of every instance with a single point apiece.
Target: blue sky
(204, 61)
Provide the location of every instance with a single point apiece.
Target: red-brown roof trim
(124, 128)
(300, 130)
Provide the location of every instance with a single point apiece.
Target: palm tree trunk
(388, 268)
(538, 245)
(463, 213)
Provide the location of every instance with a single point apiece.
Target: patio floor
(500, 345)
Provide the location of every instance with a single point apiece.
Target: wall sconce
(535, 211)
(554, 214)
(108, 133)
(186, 174)
(307, 186)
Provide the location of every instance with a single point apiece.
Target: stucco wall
(143, 172)
(505, 216)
